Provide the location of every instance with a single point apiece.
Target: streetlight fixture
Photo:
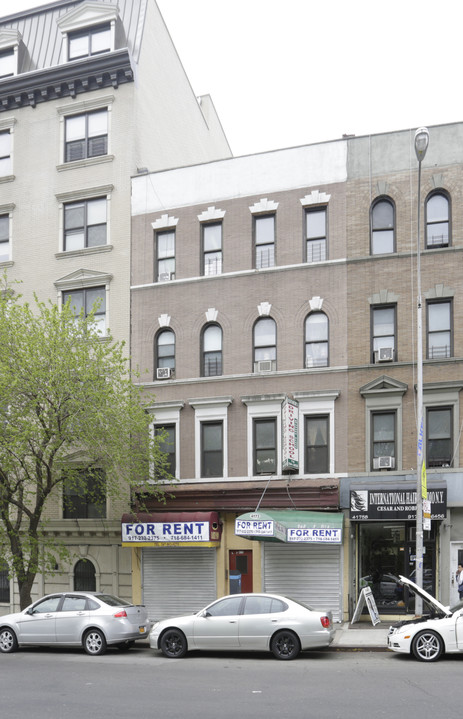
(421, 146)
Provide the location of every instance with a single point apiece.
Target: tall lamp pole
(421, 146)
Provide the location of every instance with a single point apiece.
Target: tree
(72, 421)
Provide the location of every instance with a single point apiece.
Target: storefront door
(456, 558)
(240, 570)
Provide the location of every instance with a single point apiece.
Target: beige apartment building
(274, 326)
(91, 93)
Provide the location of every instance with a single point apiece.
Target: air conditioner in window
(164, 372)
(384, 354)
(383, 462)
(166, 276)
(264, 366)
(309, 362)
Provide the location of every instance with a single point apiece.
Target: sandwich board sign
(366, 597)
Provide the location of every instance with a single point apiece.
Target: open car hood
(428, 597)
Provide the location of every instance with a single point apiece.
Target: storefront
(383, 520)
(178, 559)
(302, 554)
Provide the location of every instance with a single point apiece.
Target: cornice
(68, 80)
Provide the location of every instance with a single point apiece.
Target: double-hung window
(167, 445)
(91, 41)
(86, 135)
(265, 445)
(317, 455)
(165, 255)
(316, 340)
(437, 220)
(264, 234)
(382, 227)
(212, 351)
(5, 153)
(212, 248)
(383, 435)
(439, 436)
(7, 62)
(85, 300)
(211, 449)
(316, 234)
(165, 349)
(383, 332)
(85, 224)
(265, 345)
(439, 329)
(4, 238)
(84, 495)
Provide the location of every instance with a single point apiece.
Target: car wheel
(427, 646)
(174, 644)
(8, 641)
(285, 645)
(95, 642)
(125, 646)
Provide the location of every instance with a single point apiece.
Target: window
(383, 436)
(316, 340)
(86, 135)
(167, 445)
(437, 220)
(5, 153)
(4, 238)
(265, 446)
(317, 456)
(84, 580)
(85, 224)
(165, 349)
(86, 299)
(316, 235)
(4, 583)
(265, 350)
(91, 41)
(439, 439)
(263, 605)
(439, 329)
(382, 227)
(165, 255)
(211, 449)
(7, 62)
(212, 351)
(383, 330)
(212, 248)
(84, 495)
(230, 606)
(264, 237)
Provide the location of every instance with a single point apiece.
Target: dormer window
(90, 41)
(10, 41)
(7, 63)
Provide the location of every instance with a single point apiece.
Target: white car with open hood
(439, 630)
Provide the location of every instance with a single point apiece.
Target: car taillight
(122, 613)
(325, 622)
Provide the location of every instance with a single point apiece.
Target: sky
(283, 73)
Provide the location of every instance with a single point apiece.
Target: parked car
(92, 620)
(439, 630)
(249, 622)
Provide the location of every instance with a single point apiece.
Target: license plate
(141, 630)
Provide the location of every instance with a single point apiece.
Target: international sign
(384, 504)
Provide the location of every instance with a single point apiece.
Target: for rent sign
(165, 532)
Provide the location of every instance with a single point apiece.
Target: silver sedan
(246, 621)
(92, 620)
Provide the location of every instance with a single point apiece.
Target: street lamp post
(421, 146)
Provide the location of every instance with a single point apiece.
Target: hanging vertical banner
(426, 515)
(289, 425)
(424, 483)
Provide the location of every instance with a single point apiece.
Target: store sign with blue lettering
(165, 532)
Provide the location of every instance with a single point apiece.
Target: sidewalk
(361, 637)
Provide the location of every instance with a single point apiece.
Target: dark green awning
(291, 526)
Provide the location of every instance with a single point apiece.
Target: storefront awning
(291, 526)
(171, 529)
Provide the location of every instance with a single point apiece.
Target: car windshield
(113, 601)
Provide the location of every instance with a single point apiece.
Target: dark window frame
(382, 229)
(168, 446)
(205, 253)
(69, 232)
(165, 360)
(373, 336)
(326, 447)
(90, 503)
(87, 141)
(208, 467)
(430, 223)
(313, 239)
(258, 263)
(312, 343)
(7, 52)
(5, 239)
(88, 32)
(261, 449)
(169, 259)
(4, 584)
(84, 576)
(440, 461)
(448, 353)
(270, 349)
(375, 442)
(211, 360)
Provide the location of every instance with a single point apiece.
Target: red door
(240, 570)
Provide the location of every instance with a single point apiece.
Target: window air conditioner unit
(166, 276)
(263, 366)
(164, 372)
(309, 362)
(383, 462)
(384, 354)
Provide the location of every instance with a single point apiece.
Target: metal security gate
(178, 580)
(308, 573)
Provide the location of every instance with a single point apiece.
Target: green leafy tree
(72, 423)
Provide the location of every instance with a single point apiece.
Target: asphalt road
(140, 684)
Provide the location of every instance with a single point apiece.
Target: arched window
(316, 340)
(382, 222)
(84, 576)
(437, 220)
(265, 345)
(212, 351)
(165, 353)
